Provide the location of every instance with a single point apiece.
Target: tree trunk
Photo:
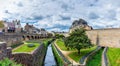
(67, 48)
(79, 52)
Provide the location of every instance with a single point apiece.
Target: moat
(49, 59)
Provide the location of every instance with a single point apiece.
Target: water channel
(49, 59)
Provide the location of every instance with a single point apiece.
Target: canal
(49, 59)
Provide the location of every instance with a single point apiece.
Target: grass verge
(57, 56)
(61, 45)
(114, 56)
(95, 60)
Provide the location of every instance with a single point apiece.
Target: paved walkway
(66, 53)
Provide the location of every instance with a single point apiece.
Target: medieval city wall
(105, 37)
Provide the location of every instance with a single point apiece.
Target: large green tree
(59, 36)
(78, 40)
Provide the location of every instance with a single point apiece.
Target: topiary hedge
(16, 45)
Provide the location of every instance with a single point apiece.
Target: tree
(78, 40)
(1, 24)
(59, 36)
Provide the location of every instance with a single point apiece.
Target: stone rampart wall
(105, 37)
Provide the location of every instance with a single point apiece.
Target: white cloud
(48, 13)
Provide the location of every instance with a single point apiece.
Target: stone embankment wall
(35, 58)
(11, 39)
(105, 37)
(4, 51)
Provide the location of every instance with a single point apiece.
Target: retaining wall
(36, 58)
(4, 51)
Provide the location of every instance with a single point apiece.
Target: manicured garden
(31, 45)
(95, 60)
(26, 47)
(114, 56)
(75, 56)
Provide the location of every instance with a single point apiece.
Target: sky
(58, 15)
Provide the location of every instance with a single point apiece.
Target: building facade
(11, 27)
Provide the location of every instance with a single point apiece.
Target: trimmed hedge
(57, 57)
(31, 45)
(16, 45)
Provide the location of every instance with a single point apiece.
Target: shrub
(16, 45)
(31, 45)
(7, 62)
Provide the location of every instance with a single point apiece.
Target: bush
(31, 45)
(7, 62)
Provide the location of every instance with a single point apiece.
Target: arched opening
(28, 37)
(23, 37)
(32, 37)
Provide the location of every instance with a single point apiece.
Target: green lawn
(114, 56)
(25, 48)
(61, 45)
(75, 56)
(96, 59)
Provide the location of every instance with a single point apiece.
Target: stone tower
(17, 25)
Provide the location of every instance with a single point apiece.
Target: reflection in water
(49, 59)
